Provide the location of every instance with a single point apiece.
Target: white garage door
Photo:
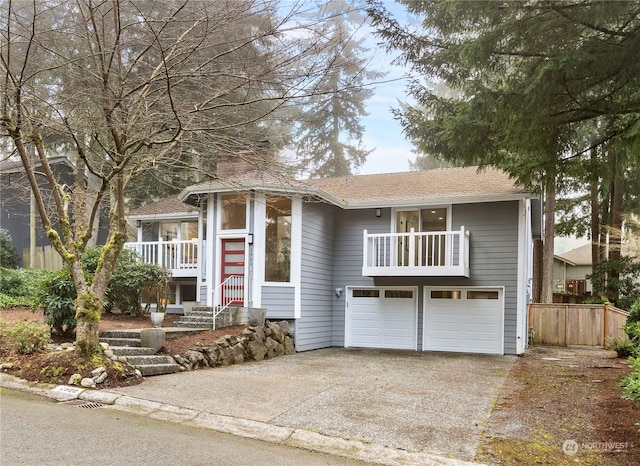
(381, 318)
(468, 320)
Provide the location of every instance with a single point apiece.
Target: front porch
(181, 257)
(416, 254)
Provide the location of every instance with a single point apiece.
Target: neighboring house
(430, 260)
(570, 271)
(15, 195)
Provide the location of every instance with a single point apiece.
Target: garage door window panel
(366, 293)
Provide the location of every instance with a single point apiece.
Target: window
(430, 250)
(398, 294)
(169, 231)
(278, 240)
(445, 294)
(366, 293)
(482, 295)
(234, 212)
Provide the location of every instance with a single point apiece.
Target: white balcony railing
(416, 254)
(181, 257)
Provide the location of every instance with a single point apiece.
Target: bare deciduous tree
(125, 85)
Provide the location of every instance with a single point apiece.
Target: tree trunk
(615, 232)
(536, 284)
(547, 252)
(596, 240)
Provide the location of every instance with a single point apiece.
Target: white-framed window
(430, 248)
(277, 266)
(233, 212)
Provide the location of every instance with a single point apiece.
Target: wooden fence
(45, 258)
(576, 324)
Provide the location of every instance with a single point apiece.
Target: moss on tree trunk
(88, 312)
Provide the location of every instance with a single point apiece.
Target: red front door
(233, 271)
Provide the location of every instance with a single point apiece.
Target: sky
(383, 134)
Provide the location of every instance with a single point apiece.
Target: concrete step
(132, 351)
(135, 333)
(195, 325)
(158, 369)
(150, 360)
(121, 341)
(195, 313)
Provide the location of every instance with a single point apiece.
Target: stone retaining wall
(267, 341)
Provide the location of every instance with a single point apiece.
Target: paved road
(36, 431)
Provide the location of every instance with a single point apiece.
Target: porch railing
(439, 253)
(181, 257)
(231, 291)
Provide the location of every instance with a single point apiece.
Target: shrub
(625, 288)
(634, 312)
(57, 297)
(22, 283)
(8, 252)
(24, 337)
(7, 301)
(624, 347)
(631, 383)
(57, 293)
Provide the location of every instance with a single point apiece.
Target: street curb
(295, 438)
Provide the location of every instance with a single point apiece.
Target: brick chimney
(252, 158)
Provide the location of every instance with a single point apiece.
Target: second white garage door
(468, 320)
(381, 318)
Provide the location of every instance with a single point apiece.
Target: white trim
(150, 218)
(523, 267)
(296, 255)
(419, 208)
(426, 294)
(219, 216)
(259, 215)
(210, 244)
(347, 313)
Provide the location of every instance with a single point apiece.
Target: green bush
(631, 383)
(634, 312)
(7, 301)
(57, 294)
(57, 297)
(624, 347)
(128, 280)
(623, 290)
(24, 337)
(22, 283)
(8, 252)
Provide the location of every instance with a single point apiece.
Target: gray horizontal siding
(347, 254)
(314, 328)
(493, 229)
(279, 302)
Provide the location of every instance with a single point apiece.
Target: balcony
(181, 257)
(416, 254)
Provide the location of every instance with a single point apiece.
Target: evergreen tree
(328, 137)
(531, 79)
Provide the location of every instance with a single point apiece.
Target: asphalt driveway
(425, 401)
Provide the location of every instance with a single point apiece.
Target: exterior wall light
(378, 212)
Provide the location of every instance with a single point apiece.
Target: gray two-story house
(436, 260)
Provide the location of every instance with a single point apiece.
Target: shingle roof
(168, 205)
(442, 185)
(429, 185)
(578, 256)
